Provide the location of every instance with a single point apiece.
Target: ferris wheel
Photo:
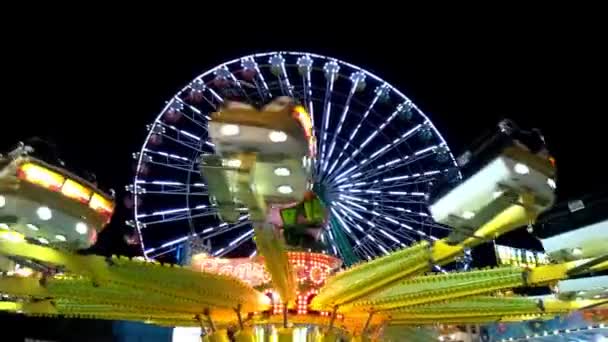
(378, 156)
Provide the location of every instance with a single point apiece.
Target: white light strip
(417, 153)
(164, 212)
(369, 109)
(391, 220)
(243, 236)
(342, 118)
(190, 135)
(379, 151)
(166, 183)
(344, 225)
(382, 248)
(346, 172)
(218, 251)
(254, 253)
(389, 235)
(383, 149)
(171, 243)
(165, 154)
(349, 210)
(355, 204)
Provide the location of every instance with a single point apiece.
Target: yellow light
(102, 206)
(76, 191)
(304, 118)
(40, 176)
(11, 236)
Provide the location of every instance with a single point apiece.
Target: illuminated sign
(247, 270)
(519, 257)
(311, 268)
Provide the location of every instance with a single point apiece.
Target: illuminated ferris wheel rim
(253, 57)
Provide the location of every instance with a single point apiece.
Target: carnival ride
(50, 205)
(288, 292)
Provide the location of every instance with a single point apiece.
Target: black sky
(94, 94)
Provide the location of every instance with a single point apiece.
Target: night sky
(108, 87)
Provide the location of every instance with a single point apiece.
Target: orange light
(102, 206)
(304, 118)
(76, 191)
(40, 176)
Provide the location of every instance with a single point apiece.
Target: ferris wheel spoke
(167, 188)
(393, 238)
(364, 251)
(182, 134)
(375, 243)
(181, 141)
(196, 111)
(174, 166)
(356, 78)
(343, 225)
(380, 201)
(380, 218)
(199, 86)
(388, 183)
(395, 164)
(367, 141)
(250, 65)
(173, 215)
(400, 233)
(304, 68)
(378, 153)
(159, 254)
(332, 240)
(260, 79)
(331, 70)
(229, 75)
(224, 228)
(380, 91)
(277, 68)
(217, 230)
(234, 244)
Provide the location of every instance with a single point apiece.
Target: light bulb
(285, 189)
(229, 130)
(277, 136)
(467, 215)
(44, 213)
(282, 171)
(81, 228)
(60, 237)
(522, 169)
